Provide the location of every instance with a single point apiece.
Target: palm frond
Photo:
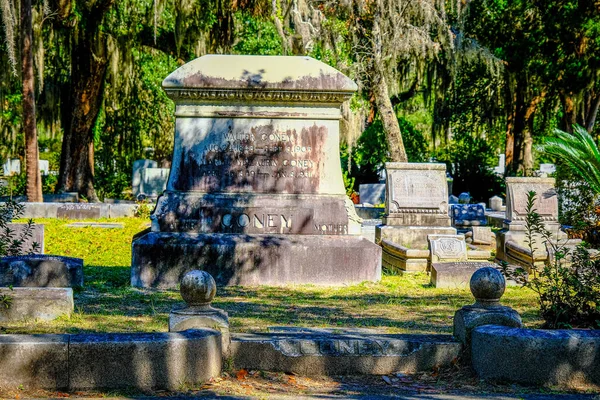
(579, 151)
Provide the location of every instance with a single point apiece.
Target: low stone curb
(56, 210)
(535, 356)
(343, 354)
(110, 361)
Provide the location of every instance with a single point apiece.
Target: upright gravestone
(511, 245)
(136, 179)
(416, 206)
(255, 194)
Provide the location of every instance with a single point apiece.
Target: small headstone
(464, 198)
(38, 270)
(12, 167)
(417, 195)
(468, 215)
(136, 180)
(546, 204)
(27, 242)
(154, 181)
(495, 203)
(547, 168)
(44, 166)
(500, 168)
(31, 303)
(447, 248)
(482, 235)
(78, 211)
(452, 199)
(373, 193)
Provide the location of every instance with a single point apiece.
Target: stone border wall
(110, 361)
(331, 354)
(49, 210)
(535, 356)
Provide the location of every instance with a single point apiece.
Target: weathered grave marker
(255, 194)
(78, 211)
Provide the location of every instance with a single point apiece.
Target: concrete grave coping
(536, 356)
(111, 361)
(41, 270)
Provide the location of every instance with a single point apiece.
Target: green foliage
(143, 209)
(371, 150)
(5, 301)
(257, 36)
(568, 285)
(12, 244)
(470, 161)
(348, 183)
(578, 205)
(579, 151)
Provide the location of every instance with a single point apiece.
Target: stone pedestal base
(470, 317)
(454, 274)
(405, 248)
(161, 259)
(184, 318)
(512, 247)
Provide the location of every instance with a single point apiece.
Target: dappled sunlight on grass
(107, 303)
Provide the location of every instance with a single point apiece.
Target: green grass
(107, 303)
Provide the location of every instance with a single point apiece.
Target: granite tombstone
(255, 194)
(416, 206)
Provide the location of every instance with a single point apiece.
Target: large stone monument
(416, 206)
(255, 194)
(511, 243)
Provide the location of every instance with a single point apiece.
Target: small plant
(143, 209)
(5, 301)
(12, 244)
(567, 285)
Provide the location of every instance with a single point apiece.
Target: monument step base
(161, 259)
(334, 354)
(455, 274)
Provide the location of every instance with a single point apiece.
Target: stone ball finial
(198, 288)
(487, 285)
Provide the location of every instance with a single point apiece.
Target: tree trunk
(382, 99)
(88, 67)
(34, 180)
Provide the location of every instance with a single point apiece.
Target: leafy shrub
(579, 206)
(10, 243)
(143, 209)
(371, 150)
(568, 285)
(470, 161)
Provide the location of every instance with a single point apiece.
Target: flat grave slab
(36, 303)
(39, 270)
(79, 211)
(454, 274)
(104, 225)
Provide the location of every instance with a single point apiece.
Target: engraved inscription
(417, 189)
(448, 248)
(546, 203)
(78, 211)
(343, 347)
(253, 159)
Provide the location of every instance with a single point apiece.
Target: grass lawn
(107, 303)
